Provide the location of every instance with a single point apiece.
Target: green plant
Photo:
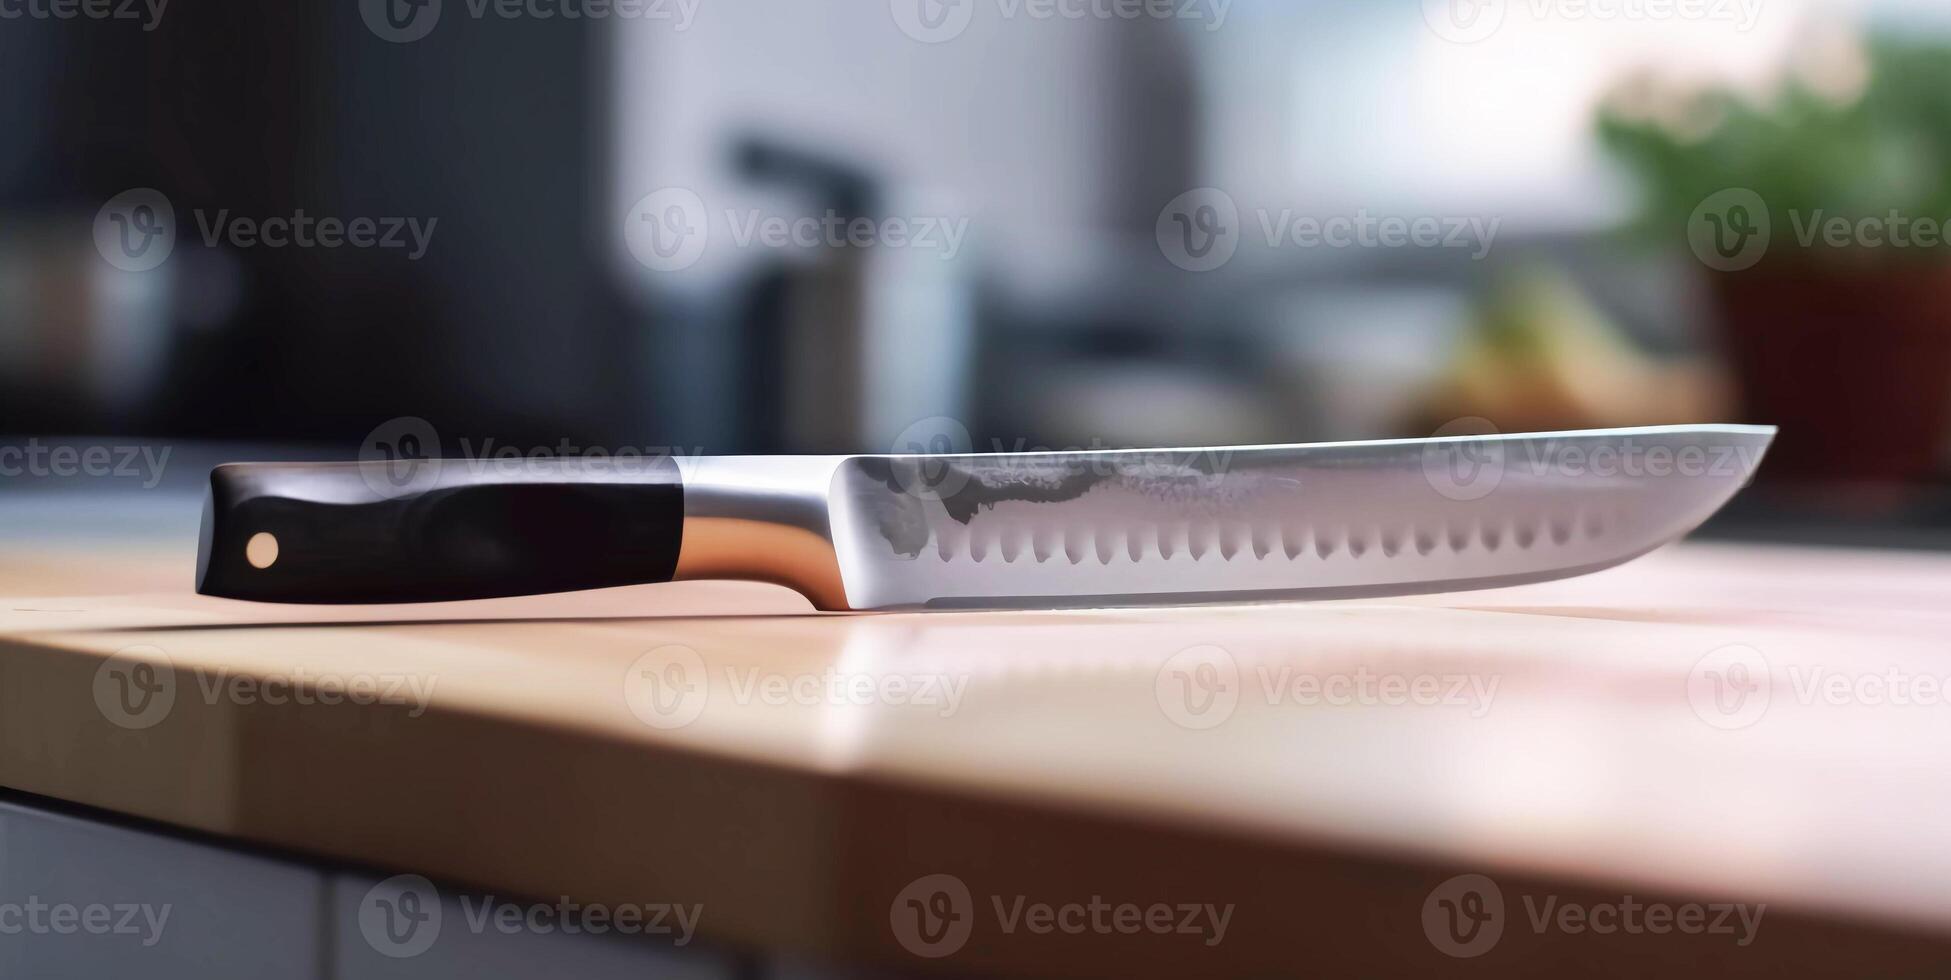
(1875, 146)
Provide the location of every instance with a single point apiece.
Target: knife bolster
(762, 519)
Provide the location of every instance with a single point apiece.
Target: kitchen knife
(1328, 520)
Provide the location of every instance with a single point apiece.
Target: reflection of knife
(1013, 529)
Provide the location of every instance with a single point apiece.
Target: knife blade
(997, 530)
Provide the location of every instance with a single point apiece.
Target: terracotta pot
(1853, 362)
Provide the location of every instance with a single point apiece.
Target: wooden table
(1323, 769)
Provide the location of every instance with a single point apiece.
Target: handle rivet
(261, 550)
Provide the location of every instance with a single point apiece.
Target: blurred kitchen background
(887, 225)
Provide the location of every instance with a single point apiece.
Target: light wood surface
(1569, 753)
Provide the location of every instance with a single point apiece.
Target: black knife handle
(435, 530)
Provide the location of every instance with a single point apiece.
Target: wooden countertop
(1321, 767)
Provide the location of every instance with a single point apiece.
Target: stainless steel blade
(1328, 520)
